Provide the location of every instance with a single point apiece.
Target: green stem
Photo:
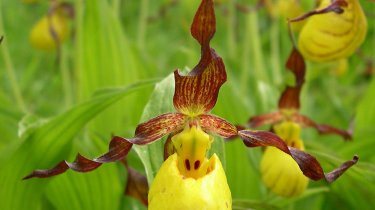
(142, 23)
(244, 80)
(66, 78)
(116, 6)
(10, 69)
(260, 76)
(275, 53)
(231, 38)
(259, 70)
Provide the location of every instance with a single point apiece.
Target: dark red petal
(262, 138)
(265, 119)
(321, 128)
(118, 149)
(58, 169)
(307, 163)
(296, 64)
(217, 125)
(203, 29)
(137, 186)
(290, 98)
(82, 164)
(335, 6)
(158, 127)
(332, 176)
(204, 23)
(197, 94)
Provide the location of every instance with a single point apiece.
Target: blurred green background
(102, 83)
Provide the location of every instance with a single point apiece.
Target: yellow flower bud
(172, 190)
(41, 36)
(332, 36)
(280, 173)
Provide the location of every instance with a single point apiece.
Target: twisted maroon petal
(217, 125)
(336, 6)
(158, 127)
(307, 163)
(118, 149)
(58, 169)
(82, 164)
(321, 128)
(265, 119)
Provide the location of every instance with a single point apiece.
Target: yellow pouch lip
(172, 190)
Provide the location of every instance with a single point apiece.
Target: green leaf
(100, 189)
(47, 145)
(161, 101)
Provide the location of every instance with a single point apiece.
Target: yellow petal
(281, 173)
(41, 37)
(171, 190)
(333, 36)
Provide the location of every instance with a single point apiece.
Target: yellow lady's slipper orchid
(280, 172)
(332, 36)
(49, 31)
(187, 180)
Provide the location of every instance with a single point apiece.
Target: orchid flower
(289, 103)
(279, 172)
(188, 179)
(53, 28)
(195, 95)
(335, 34)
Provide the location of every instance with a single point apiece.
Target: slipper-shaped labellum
(187, 179)
(280, 172)
(284, 170)
(50, 31)
(333, 35)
